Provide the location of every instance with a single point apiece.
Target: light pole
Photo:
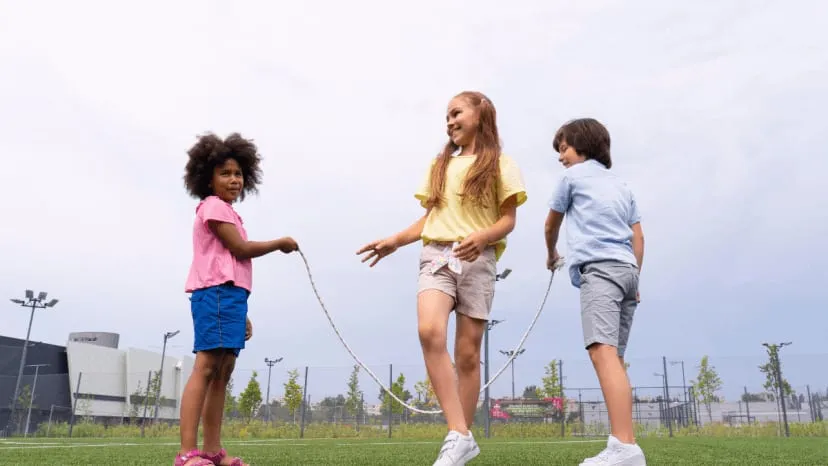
(665, 394)
(683, 378)
(773, 352)
(486, 399)
(167, 336)
(509, 354)
(270, 363)
(34, 303)
(32, 396)
(684, 388)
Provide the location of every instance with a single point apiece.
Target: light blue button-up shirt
(599, 210)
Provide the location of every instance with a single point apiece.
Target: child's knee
(432, 337)
(227, 367)
(467, 358)
(602, 352)
(207, 370)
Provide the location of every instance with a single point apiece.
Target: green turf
(677, 451)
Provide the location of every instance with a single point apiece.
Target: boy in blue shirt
(606, 249)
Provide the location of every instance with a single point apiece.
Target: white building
(112, 382)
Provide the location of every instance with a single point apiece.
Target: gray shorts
(608, 302)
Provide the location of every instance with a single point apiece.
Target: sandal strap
(192, 455)
(219, 457)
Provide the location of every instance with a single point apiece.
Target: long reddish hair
(479, 185)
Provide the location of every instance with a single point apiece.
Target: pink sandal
(181, 460)
(219, 457)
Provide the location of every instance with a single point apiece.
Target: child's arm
(558, 205)
(472, 245)
(410, 234)
(551, 229)
(638, 244)
(384, 247)
(232, 240)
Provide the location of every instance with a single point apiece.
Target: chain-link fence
(671, 396)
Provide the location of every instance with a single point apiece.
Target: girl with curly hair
(219, 173)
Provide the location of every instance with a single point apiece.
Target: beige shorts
(472, 289)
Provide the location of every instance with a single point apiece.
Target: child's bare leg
(616, 389)
(214, 404)
(192, 400)
(467, 360)
(433, 309)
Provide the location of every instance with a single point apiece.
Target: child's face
(228, 181)
(462, 122)
(567, 155)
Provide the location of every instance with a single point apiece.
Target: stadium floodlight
(34, 303)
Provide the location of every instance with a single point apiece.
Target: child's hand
(288, 245)
(471, 247)
(637, 297)
(552, 261)
(248, 331)
(378, 249)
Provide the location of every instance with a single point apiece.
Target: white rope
(514, 353)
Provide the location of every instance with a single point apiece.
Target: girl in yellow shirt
(471, 193)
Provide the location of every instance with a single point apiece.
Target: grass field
(524, 452)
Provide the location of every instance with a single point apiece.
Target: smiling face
(462, 123)
(568, 156)
(228, 181)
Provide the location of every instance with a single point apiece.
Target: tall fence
(532, 397)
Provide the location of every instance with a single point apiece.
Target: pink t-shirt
(213, 264)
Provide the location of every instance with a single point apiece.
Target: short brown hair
(588, 137)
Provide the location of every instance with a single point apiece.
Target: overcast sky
(717, 119)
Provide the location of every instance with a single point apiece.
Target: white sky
(715, 109)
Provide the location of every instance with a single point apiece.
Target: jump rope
(557, 266)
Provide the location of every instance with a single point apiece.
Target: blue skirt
(219, 318)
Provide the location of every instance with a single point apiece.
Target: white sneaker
(457, 449)
(617, 454)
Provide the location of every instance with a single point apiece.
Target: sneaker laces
(448, 444)
(605, 455)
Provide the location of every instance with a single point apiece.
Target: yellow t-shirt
(453, 221)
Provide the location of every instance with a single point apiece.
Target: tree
(230, 403)
(332, 401)
(135, 402)
(145, 397)
(250, 398)
(154, 389)
(293, 393)
(754, 397)
(532, 392)
(770, 371)
(353, 400)
(706, 385)
(398, 389)
(551, 382)
(426, 397)
(24, 397)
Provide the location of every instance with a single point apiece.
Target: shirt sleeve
(562, 197)
(511, 182)
(635, 214)
(217, 210)
(424, 191)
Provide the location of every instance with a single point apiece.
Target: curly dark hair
(211, 151)
(588, 137)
